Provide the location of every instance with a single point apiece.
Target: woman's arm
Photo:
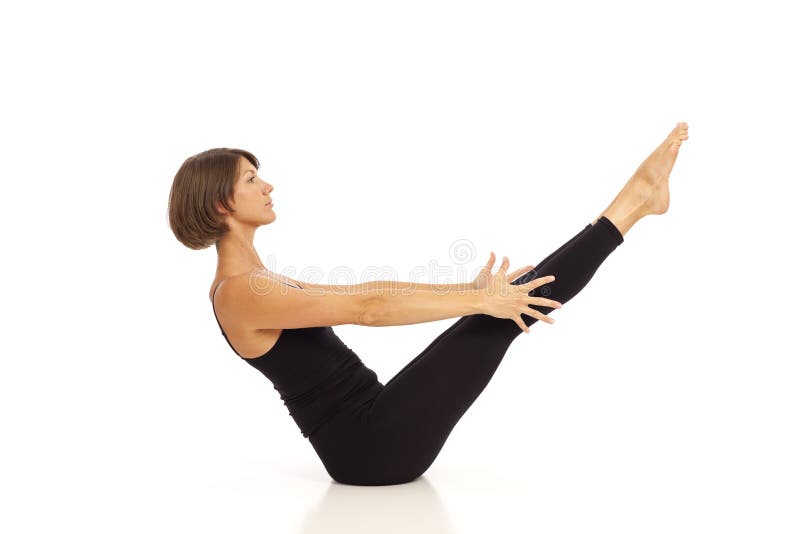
(389, 307)
(393, 303)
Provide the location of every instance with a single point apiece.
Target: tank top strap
(214, 294)
(214, 308)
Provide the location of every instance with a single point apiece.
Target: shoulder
(238, 288)
(223, 287)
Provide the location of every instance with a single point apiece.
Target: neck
(236, 253)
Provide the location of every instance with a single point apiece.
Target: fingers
(536, 314)
(503, 266)
(536, 282)
(522, 325)
(541, 301)
(519, 272)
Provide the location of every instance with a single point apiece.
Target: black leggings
(397, 436)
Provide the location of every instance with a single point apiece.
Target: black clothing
(367, 433)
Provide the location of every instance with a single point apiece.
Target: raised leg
(646, 192)
(398, 436)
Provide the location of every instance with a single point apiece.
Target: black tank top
(314, 372)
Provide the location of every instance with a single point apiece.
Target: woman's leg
(415, 412)
(407, 424)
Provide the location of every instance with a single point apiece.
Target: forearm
(388, 307)
(409, 287)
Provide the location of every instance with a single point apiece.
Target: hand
(510, 301)
(486, 273)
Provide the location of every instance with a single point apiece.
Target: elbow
(369, 310)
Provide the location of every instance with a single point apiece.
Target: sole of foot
(652, 175)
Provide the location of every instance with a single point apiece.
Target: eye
(251, 179)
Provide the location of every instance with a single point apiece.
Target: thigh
(395, 438)
(414, 414)
(427, 350)
(458, 365)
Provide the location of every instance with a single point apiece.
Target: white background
(665, 397)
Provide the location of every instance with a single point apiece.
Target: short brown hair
(204, 180)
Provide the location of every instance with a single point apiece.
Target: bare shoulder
(220, 293)
(220, 285)
(251, 280)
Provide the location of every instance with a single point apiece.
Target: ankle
(624, 217)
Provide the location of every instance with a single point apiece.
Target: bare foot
(647, 191)
(652, 176)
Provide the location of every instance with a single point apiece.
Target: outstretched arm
(396, 286)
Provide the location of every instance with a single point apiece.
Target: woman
(365, 432)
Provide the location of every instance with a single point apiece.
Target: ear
(221, 210)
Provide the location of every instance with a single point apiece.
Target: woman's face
(251, 196)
